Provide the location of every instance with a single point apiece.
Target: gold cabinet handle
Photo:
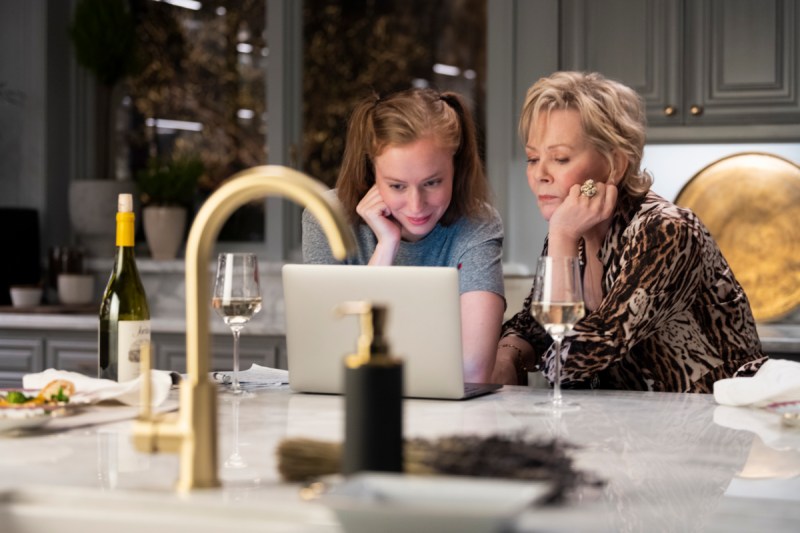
(670, 111)
(696, 110)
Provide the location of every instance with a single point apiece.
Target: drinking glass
(237, 297)
(557, 304)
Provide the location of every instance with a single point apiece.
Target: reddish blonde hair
(402, 118)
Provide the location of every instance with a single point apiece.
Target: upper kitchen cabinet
(702, 66)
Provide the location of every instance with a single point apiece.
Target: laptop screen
(423, 325)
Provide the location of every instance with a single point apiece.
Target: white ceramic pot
(25, 296)
(163, 230)
(75, 289)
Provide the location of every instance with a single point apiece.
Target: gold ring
(588, 189)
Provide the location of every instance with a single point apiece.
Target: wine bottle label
(132, 335)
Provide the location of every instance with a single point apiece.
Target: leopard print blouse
(673, 317)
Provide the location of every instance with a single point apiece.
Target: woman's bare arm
(481, 319)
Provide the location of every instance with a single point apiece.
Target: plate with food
(22, 409)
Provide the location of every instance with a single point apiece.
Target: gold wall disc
(750, 203)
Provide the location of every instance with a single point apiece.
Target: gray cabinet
(19, 354)
(696, 63)
(75, 351)
(24, 351)
(261, 350)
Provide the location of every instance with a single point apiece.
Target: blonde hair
(402, 118)
(612, 116)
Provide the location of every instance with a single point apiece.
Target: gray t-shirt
(473, 245)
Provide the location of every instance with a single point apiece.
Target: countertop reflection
(670, 462)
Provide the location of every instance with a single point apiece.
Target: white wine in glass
(557, 304)
(237, 297)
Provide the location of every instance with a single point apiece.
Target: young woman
(664, 311)
(413, 185)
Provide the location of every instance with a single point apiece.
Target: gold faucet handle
(363, 309)
(153, 432)
(145, 397)
(355, 307)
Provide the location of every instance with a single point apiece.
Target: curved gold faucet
(193, 431)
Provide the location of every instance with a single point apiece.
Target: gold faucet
(192, 432)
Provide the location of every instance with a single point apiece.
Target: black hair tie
(449, 100)
(455, 105)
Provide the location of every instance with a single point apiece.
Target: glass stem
(557, 381)
(236, 426)
(235, 383)
(236, 457)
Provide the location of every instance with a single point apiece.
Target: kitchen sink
(64, 509)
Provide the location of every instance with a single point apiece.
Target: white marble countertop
(671, 462)
(780, 338)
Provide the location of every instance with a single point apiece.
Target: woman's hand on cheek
(578, 214)
(378, 217)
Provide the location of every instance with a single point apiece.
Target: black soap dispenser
(373, 397)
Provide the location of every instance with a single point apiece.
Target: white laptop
(423, 326)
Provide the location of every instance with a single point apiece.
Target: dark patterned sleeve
(660, 267)
(524, 326)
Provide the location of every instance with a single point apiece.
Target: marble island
(670, 462)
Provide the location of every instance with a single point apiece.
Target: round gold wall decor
(750, 203)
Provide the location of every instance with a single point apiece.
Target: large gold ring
(588, 189)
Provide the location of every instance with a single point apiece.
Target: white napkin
(256, 375)
(778, 380)
(92, 390)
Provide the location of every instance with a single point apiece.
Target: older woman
(664, 312)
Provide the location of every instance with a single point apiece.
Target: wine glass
(557, 304)
(237, 297)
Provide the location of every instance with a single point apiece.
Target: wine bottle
(124, 314)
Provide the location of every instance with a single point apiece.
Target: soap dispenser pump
(373, 397)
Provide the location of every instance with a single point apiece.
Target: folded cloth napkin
(93, 390)
(256, 375)
(778, 380)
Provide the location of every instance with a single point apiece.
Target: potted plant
(103, 34)
(167, 189)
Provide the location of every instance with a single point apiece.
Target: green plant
(103, 34)
(170, 182)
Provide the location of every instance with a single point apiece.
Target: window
(202, 84)
(200, 90)
(352, 48)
